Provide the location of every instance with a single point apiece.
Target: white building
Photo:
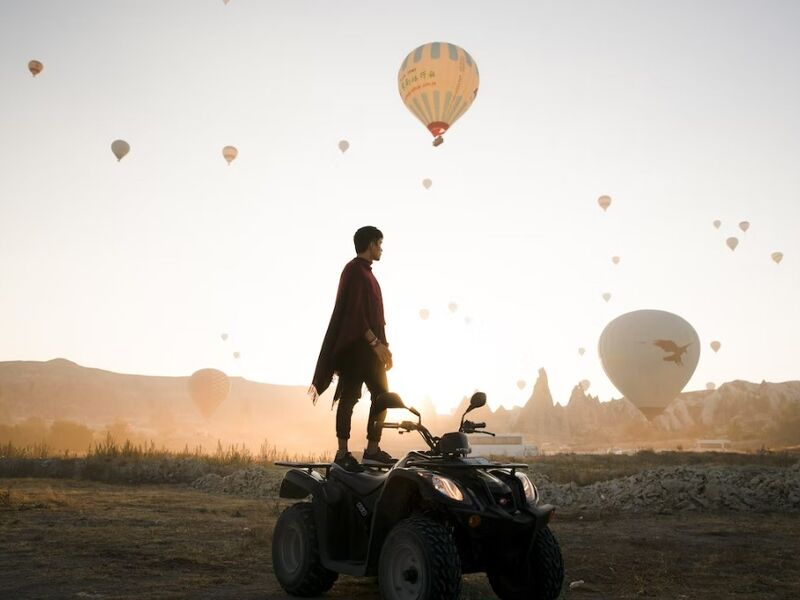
(505, 445)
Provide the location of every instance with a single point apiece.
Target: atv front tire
(295, 553)
(539, 578)
(419, 561)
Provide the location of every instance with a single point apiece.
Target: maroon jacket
(359, 306)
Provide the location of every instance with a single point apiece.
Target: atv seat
(362, 484)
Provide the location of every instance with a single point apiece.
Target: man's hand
(384, 355)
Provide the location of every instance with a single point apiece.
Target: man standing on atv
(355, 348)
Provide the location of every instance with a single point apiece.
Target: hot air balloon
(744, 226)
(427, 183)
(615, 260)
(120, 148)
(585, 383)
(711, 385)
(732, 242)
(649, 355)
(452, 307)
(424, 313)
(35, 67)
(344, 145)
(208, 388)
(606, 296)
(236, 355)
(230, 153)
(581, 351)
(224, 336)
(715, 346)
(717, 223)
(777, 257)
(604, 202)
(226, 2)
(521, 384)
(467, 320)
(438, 83)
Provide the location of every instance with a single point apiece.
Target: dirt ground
(79, 539)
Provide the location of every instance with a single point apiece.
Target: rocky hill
(765, 413)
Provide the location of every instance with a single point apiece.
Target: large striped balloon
(438, 83)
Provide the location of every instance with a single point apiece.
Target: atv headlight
(447, 486)
(531, 493)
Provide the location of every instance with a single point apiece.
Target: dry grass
(585, 469)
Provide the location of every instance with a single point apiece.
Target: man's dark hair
(364, 236)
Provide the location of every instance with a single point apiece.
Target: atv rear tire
(540, 578)
(419, 561)
(295, 553)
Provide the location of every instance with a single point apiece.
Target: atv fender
(402, 494)
(297, 484)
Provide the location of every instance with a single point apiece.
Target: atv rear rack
(309, 466)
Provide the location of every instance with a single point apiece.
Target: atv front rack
(453, 465)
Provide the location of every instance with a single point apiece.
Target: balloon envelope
(715, 346)
(427, 183)
(452, 307)
(236, 355)
(777, 257)
(224, 336)
(717, 223)
(606, 296)
(438, 83)
(521, 384)
(744, 225)
(35, 67)
(732, 242)
(711, 385)
(208, 388)
(581, 351)
(230, 153)
(649, 355)
(424, 313)
(615, 260)
(120, 148)
(585, 383)
(344, 145)
(604, 202)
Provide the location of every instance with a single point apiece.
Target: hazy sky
(682, 112)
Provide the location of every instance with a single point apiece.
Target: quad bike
(419, 524)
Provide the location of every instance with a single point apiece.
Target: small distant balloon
(452, 307)
(521, 384)
(35, 67)
(236, 355)
(711, 385)
(615, 260)
(424, 313)
(120, 148)
(427, 183)
(344, 145)
(585, 383)
(230, 153)
(226, 2)
(581, 351)
(744, 226)
(467, 320)
(717, 223)
(606, 296)
(732, 242)
(777, 257)
(224, 336)
(715, 346)
(208, 388)
(604, 202)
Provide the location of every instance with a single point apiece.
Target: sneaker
(348, 463)
(378, 458)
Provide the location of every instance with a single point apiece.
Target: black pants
(358, 366)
